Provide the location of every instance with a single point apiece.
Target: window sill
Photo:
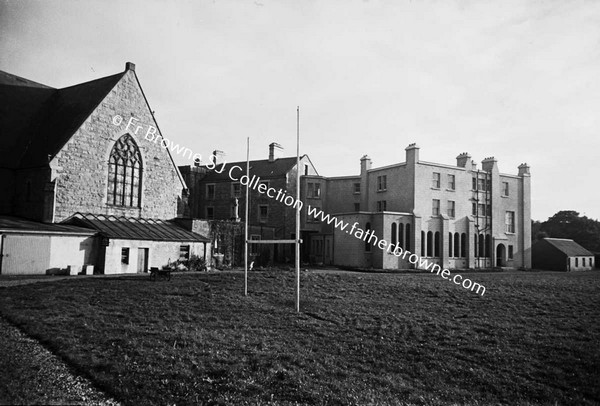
(435, 188)
(450, 190)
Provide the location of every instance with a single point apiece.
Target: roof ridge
(92, 81)
(24, 80)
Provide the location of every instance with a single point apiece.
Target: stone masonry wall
(81, 167)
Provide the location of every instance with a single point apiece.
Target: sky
(517, 80)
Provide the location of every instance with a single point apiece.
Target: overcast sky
(517, 80)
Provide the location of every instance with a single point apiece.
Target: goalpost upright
(296, 241)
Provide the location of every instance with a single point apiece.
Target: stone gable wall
(81, 167)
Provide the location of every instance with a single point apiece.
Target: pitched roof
(17, 224)
(569, 247)
(262, 168)
(128, 228)
(37, 120)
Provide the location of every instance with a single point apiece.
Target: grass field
(534, 338)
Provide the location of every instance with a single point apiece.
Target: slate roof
(36, 120)
(17, 224)
(128, 228)
(261, 168)
(568, 247)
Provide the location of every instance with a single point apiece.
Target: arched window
(367, 243)
(449, 244)
(463, 245)
(401, 235)
(481, 245)
(429, 244)
(423, 242)
(436, 244)
(125, 173)
(488, 245)
(394, 235)
(457, 245)
(407, 239)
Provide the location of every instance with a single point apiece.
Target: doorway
(142, 260)
(500, 255)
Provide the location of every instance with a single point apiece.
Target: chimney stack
(412, 153)
(272, 147)
(130, 66)
(489, 163)
(462, 159)
(524, 170)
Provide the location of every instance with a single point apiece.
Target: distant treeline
(569, 224)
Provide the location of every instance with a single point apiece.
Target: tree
(569, 224)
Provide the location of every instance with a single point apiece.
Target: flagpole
(298, 209)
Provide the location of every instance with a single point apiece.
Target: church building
(82, 187)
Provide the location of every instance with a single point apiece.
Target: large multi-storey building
(457, 216)
(218, 194)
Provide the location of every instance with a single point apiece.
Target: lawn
(533, 338)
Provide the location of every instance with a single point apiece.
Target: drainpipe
(1, 251)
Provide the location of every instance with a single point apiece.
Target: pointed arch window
(125, 173)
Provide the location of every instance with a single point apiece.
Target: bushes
(194, 263)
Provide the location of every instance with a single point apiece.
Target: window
(356, 206)
(583, 261)
(401, 235)
(357, 188)
(125, 255)
(263, 213)
(210, 213)
(236, 190)
(510, 221)
(125, 173)
(435, 210)
(423, 243)
(576, 262)
(184, 252)
(210, 191)
(313, 218)
(505, 189)
(381, 183)
(451, 208)
(437, 244)
(474, 186)
(456, 245)
(429, 244)
(481, 209)
(394, 233)
(367, 243)
(510, 252)
(305, 169)
(314, 190)
(451, 182)
(488, 245)
(407, 240)
(381, 205)
(463, 245)
(450, 244)
(254, 247)
(481, 184)
(436, 180)
(474, 208)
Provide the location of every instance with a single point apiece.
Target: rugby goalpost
(297, 241)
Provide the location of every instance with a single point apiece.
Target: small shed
(134, 245)
(561, 254)
(32, 248)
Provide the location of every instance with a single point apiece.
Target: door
(500, 255)
(142, 260)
